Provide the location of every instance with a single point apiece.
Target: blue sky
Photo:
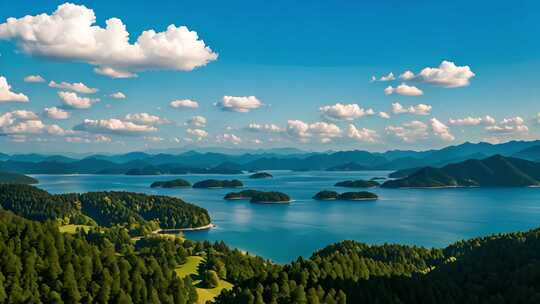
(307, 64)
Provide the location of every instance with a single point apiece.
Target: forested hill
(38, 264)
(137, 211)
(495, 171)
(16, 178)
(496, 269)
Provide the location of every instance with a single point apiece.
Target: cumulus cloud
(78, 87)
(362, 134)
(196, 121)
(472, 121)
(155, 139)
(118, 95)
(58, 131)
(384, 78)
(509, 126)
(441, 130)
(6, 95)
(384, 115)
(199, 134)
(56, 113)
(403, 89)
(419, 109)
(345, 111)
(70, 33)
(264, 128)
(304, 131)
(242, 104)
(34, 78)
(407, 75)
(145, 119)
(112, 73)
(228, 138)
(72, 100)
(184, 103)
(409, 132)
(34, 126)
(113, 126)
(89, 139)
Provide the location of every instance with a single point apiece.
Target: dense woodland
(141, 213)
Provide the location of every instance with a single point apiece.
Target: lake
(425, 217)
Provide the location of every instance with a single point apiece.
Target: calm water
(427, 217)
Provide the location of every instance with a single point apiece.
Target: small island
(358, 184)
(214, 183)
(175, 183)
(326, 195)
(352, 166)
(260, 175)
(271, 197)
(242, 195)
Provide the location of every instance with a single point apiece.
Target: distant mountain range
(494, 171)
(256, 160)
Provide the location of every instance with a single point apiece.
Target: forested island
(352, 166)
(242, 195)
(215, 183)
(260, 175)
(175, 183)
(139, 213)
(347, 196)
(495, 171)
(16, 178)
(358, 184)
(271, 197)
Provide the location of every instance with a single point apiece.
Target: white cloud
(184, 103)
(34, 78)
(419, 109)
(228, 138)
(403, 89)
(75, 101)
(198, 133)
(508, 126)
(118, 95)
(10, 118)
(197, 121)
(538, 117)
(406, 76)
(441, 130)
(363, 134)
(78, 87)
(110, 72)
(472, 121)
(345, 111)
(70, 33)
(303, 131)
(25, 127)
(6, 95)
(113, 126)
(155, 139)
(89, 139)
(242, 104)
(447, 75)
(264, 128)
(56, 113)
(145, 119)
(409, 132)
(384, 78)
(59, 131)
(384, 115)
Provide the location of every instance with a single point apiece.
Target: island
(272, 197)
(215, 183)
(242, 195)
(358, 184)
(175, 183)
(326, 195)
(260, 175)
(495, 171)
(16, 178)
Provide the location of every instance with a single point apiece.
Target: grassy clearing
(71, 229)
(205, 294)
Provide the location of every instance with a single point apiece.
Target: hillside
(140, 212)
(495, 171)
(16, 178)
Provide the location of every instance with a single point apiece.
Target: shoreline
(173, 231)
